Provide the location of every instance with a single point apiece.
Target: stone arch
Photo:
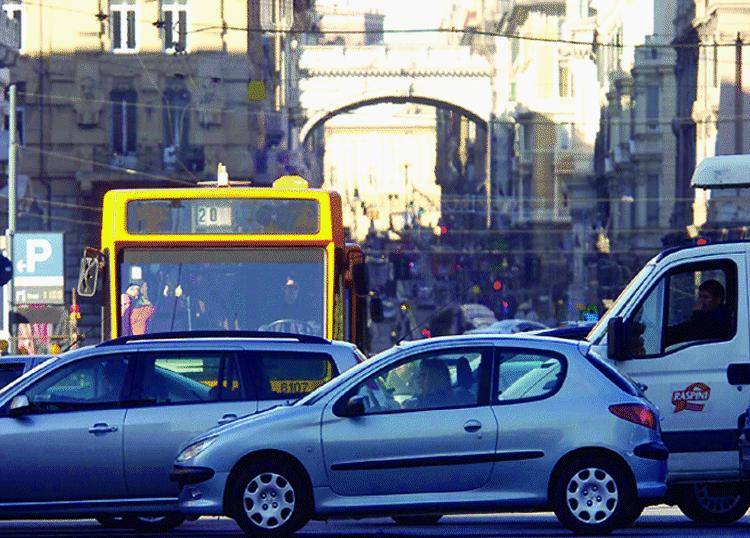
(322, 116)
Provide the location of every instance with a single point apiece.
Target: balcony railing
(539, 211)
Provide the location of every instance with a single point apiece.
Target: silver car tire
(418, 520)
(702, 503)
(111, 522)
(269, 499)
(593, 495)
(155, 523)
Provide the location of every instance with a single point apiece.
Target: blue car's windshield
(17, 380)
(315, 395)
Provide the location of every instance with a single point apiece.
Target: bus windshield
(186, 289)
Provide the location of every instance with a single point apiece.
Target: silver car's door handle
(226, 419)
(472, 426)
(102, 428)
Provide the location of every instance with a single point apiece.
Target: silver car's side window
(525, 375)
(87, 383)
(435, 380)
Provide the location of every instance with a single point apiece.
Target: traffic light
(6, 270)
(497, 285)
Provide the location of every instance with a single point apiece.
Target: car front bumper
(204, 498)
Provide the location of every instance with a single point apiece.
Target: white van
(681, 328)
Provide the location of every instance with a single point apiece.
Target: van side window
(692, 304)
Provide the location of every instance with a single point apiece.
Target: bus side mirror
(88, 277)
(616, 339)
(361, 279)
(376, 309)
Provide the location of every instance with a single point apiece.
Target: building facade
(552, 103)
(134, 93)
(721, 106)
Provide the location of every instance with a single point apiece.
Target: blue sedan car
(478, 423)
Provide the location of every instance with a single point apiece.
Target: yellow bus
(229, 257)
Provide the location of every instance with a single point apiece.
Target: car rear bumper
(204, 498)
(648, 462)
(744, 443)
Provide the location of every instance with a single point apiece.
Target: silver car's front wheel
(592, 495)
(270, 499)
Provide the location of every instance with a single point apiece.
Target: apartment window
(564, 135)
(175, 31)
(652, 199)
(122, 24)
(716, 65)
(14, 10)
(20, 113)
(652, 107)
(565, 80)
(124, 121)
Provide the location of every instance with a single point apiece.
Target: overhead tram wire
(102, 16)
(722, 119)
(128, 171)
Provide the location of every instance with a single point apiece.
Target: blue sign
(39, 268)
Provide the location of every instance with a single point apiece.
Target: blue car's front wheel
(269, 499)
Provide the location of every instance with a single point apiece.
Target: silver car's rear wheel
(269, 500)
(592, 495)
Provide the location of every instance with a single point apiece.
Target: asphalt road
(659, 521)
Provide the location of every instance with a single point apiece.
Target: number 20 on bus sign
(211, 216)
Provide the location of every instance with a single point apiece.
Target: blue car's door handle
(102, 427)
(226, 419)
(472, 426)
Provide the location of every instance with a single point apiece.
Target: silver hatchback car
(478, 423)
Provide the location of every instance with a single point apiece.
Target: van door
(682, 336)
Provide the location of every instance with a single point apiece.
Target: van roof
(722, 172)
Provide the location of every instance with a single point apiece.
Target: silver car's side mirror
(19, 405)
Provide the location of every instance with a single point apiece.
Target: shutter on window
(183, 29)
(132, 118)
(117, 142)
(116, 30)
(168, 30)
(131, 30)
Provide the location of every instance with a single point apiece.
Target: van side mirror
(617, 339)
(88, 277)
(376, 309)
(19, 406)
(361, 279)
(354, 407)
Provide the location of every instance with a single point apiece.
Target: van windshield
(600, 329)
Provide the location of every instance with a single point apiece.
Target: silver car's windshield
(231, 289)
(10, 386)
(597, 332)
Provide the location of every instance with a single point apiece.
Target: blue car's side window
(84, 384)
(433, 380)
(192, 377)
(526, 375)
